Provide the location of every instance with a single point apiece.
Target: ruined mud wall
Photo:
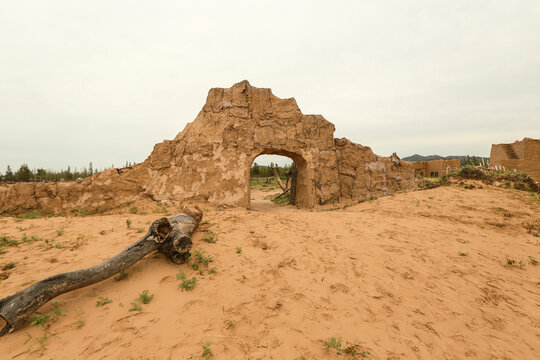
(210, 160)
(104, 191)
(524, 156)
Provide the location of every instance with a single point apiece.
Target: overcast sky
(104, 81)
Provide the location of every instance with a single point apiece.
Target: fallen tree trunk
(278, 179)
(171, 237)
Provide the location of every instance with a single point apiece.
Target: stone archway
(210, 159)
(304, 191)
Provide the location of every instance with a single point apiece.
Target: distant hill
(461, 158)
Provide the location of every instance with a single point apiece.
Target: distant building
(435, 168)
(523, 156)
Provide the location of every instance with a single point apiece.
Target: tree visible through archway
(272, 182)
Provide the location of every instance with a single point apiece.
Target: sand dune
(421, 275)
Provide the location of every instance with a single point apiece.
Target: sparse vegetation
(144, 297)
(82, 211)
(140, 230)
(101, 301)
(230, 324)
(211, 237)
(59, 232)
(349, 349)
(39, 319)
(79, 323)
(514, 263)
(128, 223)
(238, 250)
(133, 210)
(122, 275)
(40, 340)
(189, 285)
(135, 307)
(201, 258)
(207, 352)
(533, 261)
(463, 254)
(9, 265)
(181, 275)
(8, 241)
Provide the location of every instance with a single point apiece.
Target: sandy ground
(416, 275)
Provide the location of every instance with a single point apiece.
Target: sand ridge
(386, 275)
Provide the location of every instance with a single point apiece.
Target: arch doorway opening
(277, 179)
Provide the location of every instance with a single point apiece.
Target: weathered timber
(170, 236)
(278, 179)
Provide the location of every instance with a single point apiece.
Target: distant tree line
(266, 170)
(26, 174)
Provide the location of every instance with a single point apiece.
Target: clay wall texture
(523, 156)
(435, 167)
(211, 158)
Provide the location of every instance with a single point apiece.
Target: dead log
(283, 193)
(278, 179)
(170, 236)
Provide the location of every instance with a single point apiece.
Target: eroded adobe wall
(527, 152)
(106, 190)
(210, 160)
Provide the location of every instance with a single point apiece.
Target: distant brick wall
(523, 156)
(435, 167)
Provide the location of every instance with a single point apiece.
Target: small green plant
(210, 238)
(3, 250)
(82, 211)
(334, 343)
(122, 275)
(101, 301)
(40, 340)
(57, 311)
(533, 261)
(213, 270)
(31, 214)
(230, 324)
(9, 265)
(200, 257)
(133, 210)
(349, 349)
(128, 223)
(30, 239)
(8, 241)
(135, 307)
(144, 297)
(40, 320)
(181, 275)
(59, 232)
(189, 285)
(79, 323)
(140, 230)
(207, 352)
(238, 250)
(205, 222)
(161, 209)
(463, 254)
